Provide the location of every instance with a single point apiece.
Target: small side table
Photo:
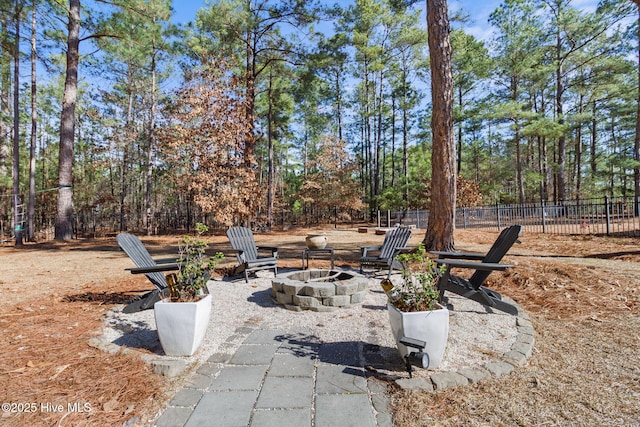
(328, 250)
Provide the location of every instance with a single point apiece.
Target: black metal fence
(607, 216)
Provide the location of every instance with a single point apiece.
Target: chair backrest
(241, 238)
(500, 247)
(141, 257)
(396, 238)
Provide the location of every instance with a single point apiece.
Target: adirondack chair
(483, 264)
(383, 256)
(248, 254)
(152, 268)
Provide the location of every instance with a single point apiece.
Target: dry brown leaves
(53, 376)
(584, 370)
(330, 181)
(209, 143)
(570, 292)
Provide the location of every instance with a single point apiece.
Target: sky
(478, 10)
(185, 10)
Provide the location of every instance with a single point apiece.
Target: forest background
(274, 111)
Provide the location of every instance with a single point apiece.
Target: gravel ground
(237, 304)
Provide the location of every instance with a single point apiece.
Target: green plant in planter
(418, 290)
(194, 267)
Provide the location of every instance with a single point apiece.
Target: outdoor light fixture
(415, 358)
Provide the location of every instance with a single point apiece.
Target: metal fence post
(464, 218)
(498, 215)
(607, 214)
(544, 218)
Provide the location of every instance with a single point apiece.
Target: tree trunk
(636, 142)
(15, 172)
(5, 83)
(250, 82)
(339, 104)
(405, 141)
(439, 235)
(367, 137)
(393, 140)
(593, 143)
(270, 154)
(152, 125)
(519, 174)
(378, 141)
(538, 160)
(578, 152)
(64, 216)
(459, 156)
(559, 114)
(34, 127)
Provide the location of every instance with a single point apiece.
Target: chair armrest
(273, 249)
(365, 249)
(488, 266)
(458, 255)
(239, 255)
(154, 269)
(166, 260)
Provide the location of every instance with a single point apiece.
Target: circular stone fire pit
(319, 290)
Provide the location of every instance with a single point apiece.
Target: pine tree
(64, 214)
(439, 235)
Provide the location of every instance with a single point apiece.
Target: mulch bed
(51, 375)
(584, 370)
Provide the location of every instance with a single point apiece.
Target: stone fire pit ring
(319, 290)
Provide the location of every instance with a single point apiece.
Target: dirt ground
(582, 293)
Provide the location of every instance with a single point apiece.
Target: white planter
(182, 325)
(429, 326)
(316, 240)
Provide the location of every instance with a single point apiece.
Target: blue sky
(478, 10)
(185, 10)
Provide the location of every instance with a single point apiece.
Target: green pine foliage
(545, 105)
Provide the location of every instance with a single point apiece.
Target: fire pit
(319, 290)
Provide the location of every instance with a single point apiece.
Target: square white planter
(182, 325)
(431, 327)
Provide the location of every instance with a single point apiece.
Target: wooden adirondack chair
(152, 268)
(484, 264)
(249, 259)
(383, 257)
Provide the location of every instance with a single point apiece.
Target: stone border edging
(297, 294)
(521, 350)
